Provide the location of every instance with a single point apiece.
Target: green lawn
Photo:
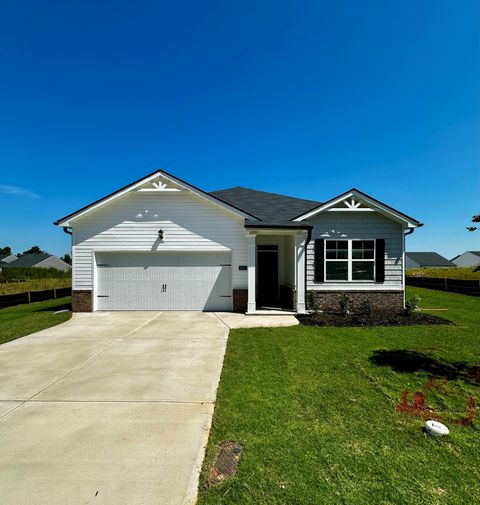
(22, 320)
(317, 418)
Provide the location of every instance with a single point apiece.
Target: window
(349, 260)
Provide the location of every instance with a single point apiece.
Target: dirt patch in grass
(383, 318)
(226, 462)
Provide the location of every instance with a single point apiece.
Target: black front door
(267, 265)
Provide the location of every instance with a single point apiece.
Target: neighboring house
(426, 260)
(162, 244)
(7, 258)
(38, 261)
(467, 259)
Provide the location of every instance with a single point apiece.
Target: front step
(271, 312)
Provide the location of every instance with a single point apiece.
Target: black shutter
(380, 259)
(319, 260)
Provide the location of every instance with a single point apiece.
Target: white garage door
(164, 281)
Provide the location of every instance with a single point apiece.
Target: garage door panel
(164, 281)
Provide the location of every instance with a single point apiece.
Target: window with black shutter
(319, 260)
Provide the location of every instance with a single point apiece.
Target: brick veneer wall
(240, 300)
(82, 301)
(380, 300)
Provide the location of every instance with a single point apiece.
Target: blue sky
(303, 98)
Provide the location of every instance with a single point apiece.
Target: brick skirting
(82, 301)
(240, 300)
(380, 300)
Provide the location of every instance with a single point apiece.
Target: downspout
(66, 230)
(408, 232)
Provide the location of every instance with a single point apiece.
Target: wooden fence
(464, 286)
(33, 296)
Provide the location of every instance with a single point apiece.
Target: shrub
(412, 304)
(345, 304)
(313, 302)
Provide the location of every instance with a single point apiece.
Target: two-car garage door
(164, 281)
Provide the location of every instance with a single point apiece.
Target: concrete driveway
(109, 408)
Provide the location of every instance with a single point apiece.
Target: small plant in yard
(366, 307)
(345, 304)
(411, 304)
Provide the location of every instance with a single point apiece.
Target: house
(467, 259)
(161, 243)
(426, 260)
(38, 261)
(7, 258)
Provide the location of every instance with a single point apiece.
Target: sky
(307, 99)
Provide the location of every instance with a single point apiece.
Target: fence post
(29, 298)
(54, 293)
(446, 284)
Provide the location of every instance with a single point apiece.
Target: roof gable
(356, 201)
(158, 181)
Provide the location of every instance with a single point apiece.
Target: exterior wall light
(160, 234)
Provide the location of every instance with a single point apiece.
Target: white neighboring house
(161, 243)
(467, 259)
(38, 261)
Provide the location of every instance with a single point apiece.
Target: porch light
(160, 234)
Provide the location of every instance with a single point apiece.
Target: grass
(8, 288)
(471, 273)
(315, 411)
(22, 320)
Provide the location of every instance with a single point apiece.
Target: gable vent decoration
(160, 186)
(352, 204)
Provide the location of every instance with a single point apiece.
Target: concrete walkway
(112, 408)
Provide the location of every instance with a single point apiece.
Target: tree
(5, 250)
(67, 258)
(475, 219)
(34, 250)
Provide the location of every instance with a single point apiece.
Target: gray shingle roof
(27, 260)
(429, 259)
(477, 253)
(269, 207)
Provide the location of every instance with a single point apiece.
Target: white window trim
(349, 260)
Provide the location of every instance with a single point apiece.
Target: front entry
(267, 265)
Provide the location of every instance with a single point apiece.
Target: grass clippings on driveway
(317, 412)
(22, 320)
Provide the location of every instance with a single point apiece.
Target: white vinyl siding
(359, 226)
(131, 223)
